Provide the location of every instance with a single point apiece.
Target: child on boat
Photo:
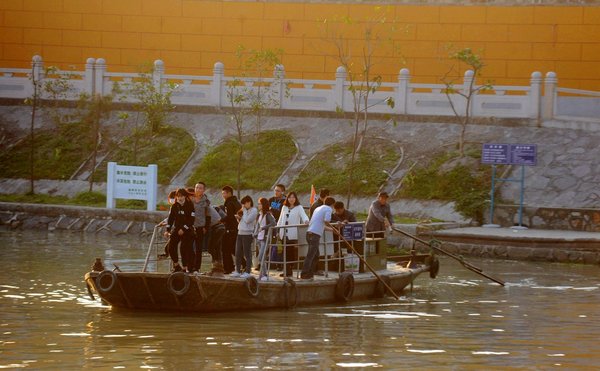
(180, 228)
(243, 247)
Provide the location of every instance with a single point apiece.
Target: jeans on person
(312, 256)
(243, 248)
(262, 247)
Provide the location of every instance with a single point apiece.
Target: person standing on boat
(180, 228)
(246, 217)
(340, 215)
(276, 202)
(380, 216)
(217, 231)
(201, 223)
(316, 228)
(261, 231)
(292, 213)
(322, 194)
(231, 207)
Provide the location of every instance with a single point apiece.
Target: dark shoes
(177, 268)
(306, 277)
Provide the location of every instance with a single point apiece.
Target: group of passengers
(228, 231)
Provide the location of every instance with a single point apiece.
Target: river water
(547, 317)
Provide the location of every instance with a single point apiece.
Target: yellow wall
(191, 35)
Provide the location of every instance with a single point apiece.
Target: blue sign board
(495, 154)
(352, 232)
(505, 154)
(523, 154)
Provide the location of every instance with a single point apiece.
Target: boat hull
(203, 294)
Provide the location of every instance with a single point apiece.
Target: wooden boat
(204, 293)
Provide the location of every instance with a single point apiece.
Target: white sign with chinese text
(131, 183)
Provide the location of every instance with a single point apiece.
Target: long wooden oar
(336, 231)
(434, 245)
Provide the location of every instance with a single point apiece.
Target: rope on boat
(89, 290)
(344, 288)
(148, 290)
(201, 291)
(252, 286)
(288, 285)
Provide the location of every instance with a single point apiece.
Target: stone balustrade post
(99, 70)
(37, 65)
(339, 89)
(468, 78)
(157, 74)
(216, 88)
(535, 95)
(88, 78)
(403, 91)
(279, 74)
(549, 101)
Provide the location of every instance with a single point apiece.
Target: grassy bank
(264, 159)
(449, 177)
(330, 168)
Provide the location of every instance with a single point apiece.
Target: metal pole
(491, 223)
(521, 196)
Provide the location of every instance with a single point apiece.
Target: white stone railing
(321, 95)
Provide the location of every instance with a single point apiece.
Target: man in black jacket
(231, 207)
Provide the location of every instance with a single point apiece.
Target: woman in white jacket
(243, 248)
(292, 213)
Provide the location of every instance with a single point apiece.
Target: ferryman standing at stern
(380, 216)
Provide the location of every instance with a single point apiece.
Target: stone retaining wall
(574, 219)
(546, 254)
(78, 218)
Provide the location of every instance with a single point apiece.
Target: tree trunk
(97, 106)
(239, 162)
(352, 159)
(32, 127)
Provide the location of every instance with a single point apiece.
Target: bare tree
(252, 93)
(376, 34)
(33, 101)
(468, 92)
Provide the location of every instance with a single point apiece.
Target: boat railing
(330, 247)
(156, 249)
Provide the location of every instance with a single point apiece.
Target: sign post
(508, 154)
(131, 183)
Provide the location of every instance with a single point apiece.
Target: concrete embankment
(552, 246)
(78, 218)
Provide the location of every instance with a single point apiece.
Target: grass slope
(330, 168)
(265, 158)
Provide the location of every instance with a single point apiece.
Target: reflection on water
(545, 317)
